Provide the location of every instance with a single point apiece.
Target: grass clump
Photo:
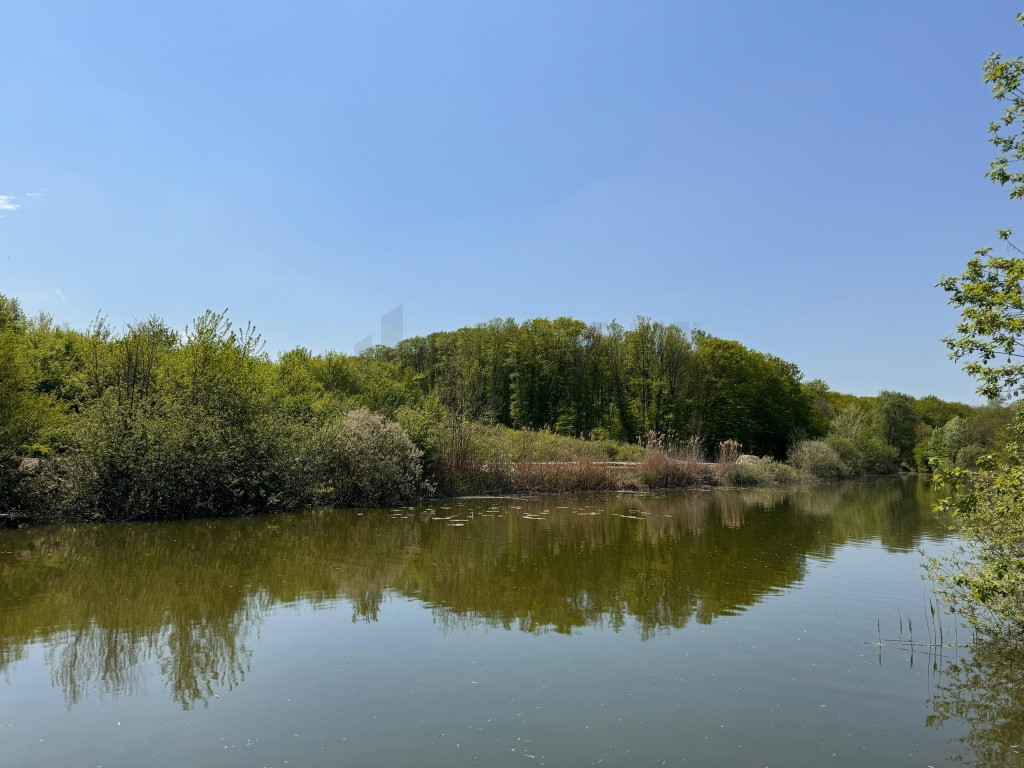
(566, 477)
(666, 465)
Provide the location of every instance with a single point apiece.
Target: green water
(697, 628)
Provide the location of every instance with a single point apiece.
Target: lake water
(697, 628)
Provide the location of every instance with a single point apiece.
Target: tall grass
(567, 477)
(667, 465)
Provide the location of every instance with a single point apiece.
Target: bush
(923, 454)
(762, 471)
(857, 436)
(967, 457)
(818, 459)
(865, 455)
(364, 460)
(11, 495)
(983, 579)
(165, 460)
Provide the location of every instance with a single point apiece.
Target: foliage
(150, 422)
(23, 412)
(746, 396)
(761, 471)
(943, 444)
(205, 424)
(985, 579)
(818, 459)
(856, 437)
(989, 292)
(989, 295)
(610, 382)
(964, 438)
(1005, 77)
(363, 460)
(822, 406)
(174, 431)
(934, 412)
(970, 455)
(896, 421)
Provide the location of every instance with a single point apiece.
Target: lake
(691, 628)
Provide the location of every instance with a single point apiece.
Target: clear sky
(794, 175)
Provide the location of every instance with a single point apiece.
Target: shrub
(762, 471)
(865, 455)
(11, 494)
(856, 435)
(967, 457)
(164, 460)
(364, 460)
(983, 578)
(818, 459)
(923, 454)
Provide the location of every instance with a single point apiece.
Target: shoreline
(13, 521)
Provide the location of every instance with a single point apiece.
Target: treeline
(877, 435)
(609, 382)
(151, 422)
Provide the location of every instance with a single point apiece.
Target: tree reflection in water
(108, 602)
(985, 690)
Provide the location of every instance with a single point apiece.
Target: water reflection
(986, 691)
(107, 602)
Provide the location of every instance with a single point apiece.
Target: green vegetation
(818, 459)
(152, 423)
(985, 579)
(23, 412)
(608, 382)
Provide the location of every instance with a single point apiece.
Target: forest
(151, 422)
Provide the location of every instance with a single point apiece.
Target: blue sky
(794, 175)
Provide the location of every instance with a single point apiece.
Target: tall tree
(986, 579)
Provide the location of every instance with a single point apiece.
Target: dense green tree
(896, 421)
(935, 412)
(739, 394)
(822, 411)
(856, 436)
